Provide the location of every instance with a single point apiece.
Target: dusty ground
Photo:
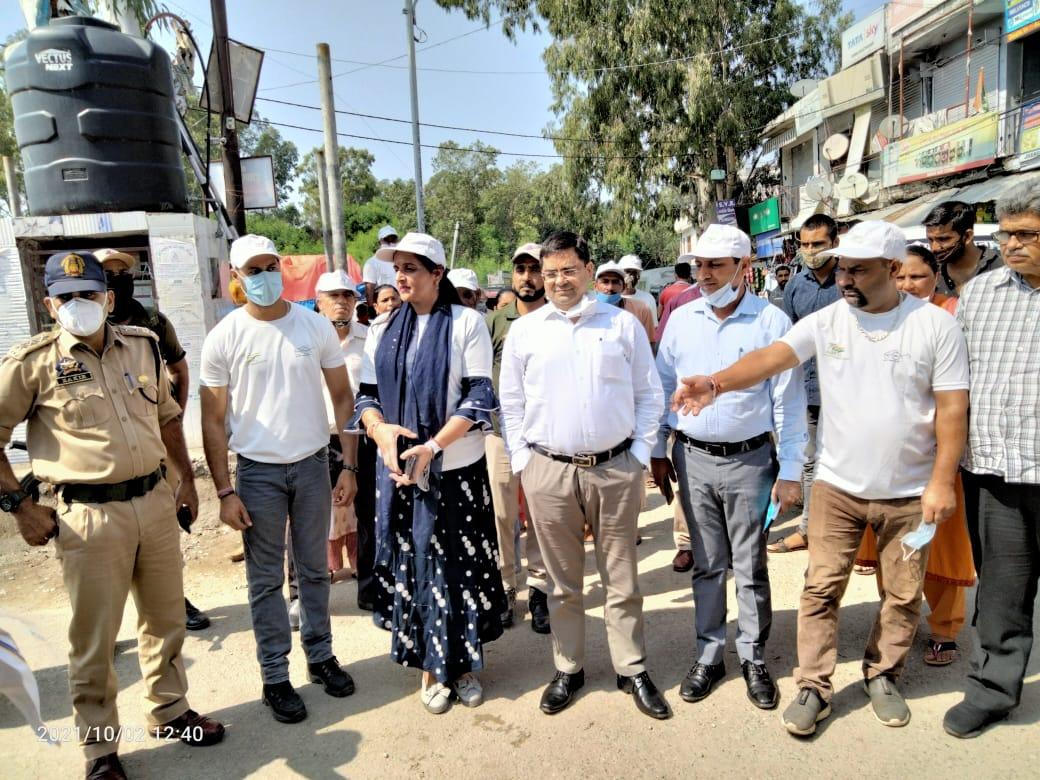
(383, 730)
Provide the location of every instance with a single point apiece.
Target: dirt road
(383, 729)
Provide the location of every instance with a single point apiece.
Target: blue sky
(372, 31)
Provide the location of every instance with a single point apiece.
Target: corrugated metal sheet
(948, 81)
(14, 320)
(87, 224)
(995, 188)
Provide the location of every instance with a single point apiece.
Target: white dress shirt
(697, 343)
(578, 382)
(353, 346)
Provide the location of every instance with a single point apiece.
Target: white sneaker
(294, 615)
(436, 698)
(469, 690)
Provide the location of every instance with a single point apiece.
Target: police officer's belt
(724, 449)
(121, 491)
(585, 461)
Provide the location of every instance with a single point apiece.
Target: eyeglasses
(566, 273)
(1022, 236)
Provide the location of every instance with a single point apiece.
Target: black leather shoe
(506, 618)
(194, 620)
(649, 700)
(561, 690)
(364, 602)
(336, 682)
(700, 680)
(761, 689)
(285, 703)
(105, 768)
(538, 603)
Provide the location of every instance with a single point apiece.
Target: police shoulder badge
(73, 265)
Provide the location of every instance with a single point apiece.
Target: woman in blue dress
(426, 400)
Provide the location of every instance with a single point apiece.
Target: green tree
(359, 185)
(289, 238)
(453, 194)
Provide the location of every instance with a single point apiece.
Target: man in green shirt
(529, 289)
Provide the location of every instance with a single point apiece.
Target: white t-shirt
(272, 371)
(353, 348)
(877, 425)
(644, 297)
(378, 271)
(470, 358)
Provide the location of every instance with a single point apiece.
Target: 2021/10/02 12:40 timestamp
(107, 734)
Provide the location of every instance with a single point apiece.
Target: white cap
(418, 244)
(529, 249)
(687, 258)
(610, 268)
(870, 240)
(386, 230)
(330, 281)
(249, 246)
(465, 278)
(722, 241)
(104, 255)
(630, 263)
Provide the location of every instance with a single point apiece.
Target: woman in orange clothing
(950, 566)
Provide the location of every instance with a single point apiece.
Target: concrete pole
(323, 202)
(232, 164)
(333, 182)
(420, 206)
(12, 187)
(454, 243)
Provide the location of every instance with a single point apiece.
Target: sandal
(866, 571)
(783, 545)
(940, 653)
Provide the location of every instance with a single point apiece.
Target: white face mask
(81, 317)
(726, 294)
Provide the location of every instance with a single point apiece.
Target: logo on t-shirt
(304, 351)
(253, 358)
(894, 356)
(836, 351)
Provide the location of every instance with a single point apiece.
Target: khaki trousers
(680, 530)
(837, 522)
(563, 498)
(107, 551)
(505, 495)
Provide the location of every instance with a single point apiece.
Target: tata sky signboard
(864, 38)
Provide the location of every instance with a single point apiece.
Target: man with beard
(883, 355)
(812, 289)
(119, 274)
(529, 292)
(950, 228)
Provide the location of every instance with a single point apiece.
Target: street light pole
(420, 206)
(228, 130)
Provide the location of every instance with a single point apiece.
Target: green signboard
(764, 216)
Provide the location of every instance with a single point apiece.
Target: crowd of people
(449, 458)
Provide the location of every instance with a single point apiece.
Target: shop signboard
(1021, 18)
(863, 38)
(958, 146)
(764, 216)
(726, 212)
(1029, 136)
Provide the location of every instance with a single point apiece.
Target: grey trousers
(271, 493)
(725, 500)
(809, 469)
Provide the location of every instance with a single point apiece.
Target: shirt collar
(809, 274)
(586, 308)
(1006, 276)
(746, 307)
(510, 312)
(68, 342)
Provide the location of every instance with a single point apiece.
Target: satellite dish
(836, 147)
(892, 126)
(873, 193)
(853, 186)
(803, 87)
(818, 188)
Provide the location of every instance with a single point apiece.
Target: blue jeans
(271, 493)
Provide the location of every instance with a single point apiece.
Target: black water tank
(95, 120)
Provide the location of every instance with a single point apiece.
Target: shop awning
(995, 188)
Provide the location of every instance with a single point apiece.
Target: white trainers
(469, 690)
(436, 698)
(294, 615)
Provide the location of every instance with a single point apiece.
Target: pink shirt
(691, 293)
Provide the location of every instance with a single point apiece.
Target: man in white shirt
(580, 400)
(261, 380)
(632, 267)
(724, 459)
(893, 372)
(378, 272)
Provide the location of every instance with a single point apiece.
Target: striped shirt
(1000, 315)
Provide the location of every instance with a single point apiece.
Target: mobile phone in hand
(411, 470)
(184, 518)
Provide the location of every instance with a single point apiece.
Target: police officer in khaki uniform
(101, 421)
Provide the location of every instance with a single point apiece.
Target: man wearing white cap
(724, 459)
(466, 285)
(379, 272)
(610, 281)
(632, 267)
(262, 371)
(894, 371)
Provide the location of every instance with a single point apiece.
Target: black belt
(726, 448)
(121, 491)
(585, 461)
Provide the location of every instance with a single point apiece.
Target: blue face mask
(611, 298)
(263, 288)
(917, 539)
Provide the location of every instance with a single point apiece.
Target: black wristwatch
(9, 502)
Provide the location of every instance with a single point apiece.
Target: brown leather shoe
(105, 768)
(191, 729)
(683, 561)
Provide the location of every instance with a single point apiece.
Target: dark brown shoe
(191, 729)
(105, 768)
(683, 561)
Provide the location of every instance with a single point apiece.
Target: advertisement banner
(902, 13)
(863, 38)
(764, 216)
(1021, 17)
(726, 212)
(1029, 136)
(958, 146)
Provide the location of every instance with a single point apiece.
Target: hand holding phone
(184, 517)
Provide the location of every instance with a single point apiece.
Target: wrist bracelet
(435, 447)
(714, 388)
(228, 491)
(351, 468)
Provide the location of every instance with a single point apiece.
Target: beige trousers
(108, 551)
(505, 495)
(680, 531)
(563, 498)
